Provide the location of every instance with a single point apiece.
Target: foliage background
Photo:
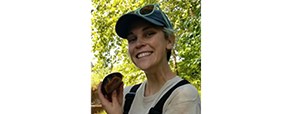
(110, 51)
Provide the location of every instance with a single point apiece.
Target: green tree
(110, 52)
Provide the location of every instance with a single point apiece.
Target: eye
(131, 38)
(150, 34)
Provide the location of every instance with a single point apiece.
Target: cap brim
(125, 21)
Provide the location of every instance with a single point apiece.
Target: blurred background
(110, 52)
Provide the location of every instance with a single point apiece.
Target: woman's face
(147, 46)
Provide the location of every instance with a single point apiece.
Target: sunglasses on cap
(149, 9)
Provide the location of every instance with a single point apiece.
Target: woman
(150, 39)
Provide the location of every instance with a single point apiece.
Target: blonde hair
(168, 33)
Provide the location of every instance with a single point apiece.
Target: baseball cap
(148, 13)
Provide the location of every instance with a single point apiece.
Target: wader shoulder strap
(157, 109)
(129, 98)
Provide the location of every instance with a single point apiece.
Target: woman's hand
(114, 107)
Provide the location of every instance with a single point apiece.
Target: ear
(170, 42)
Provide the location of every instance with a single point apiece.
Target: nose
(140, 43)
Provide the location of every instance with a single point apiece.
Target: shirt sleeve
(184, 100)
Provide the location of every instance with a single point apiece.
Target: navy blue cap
(125, 21)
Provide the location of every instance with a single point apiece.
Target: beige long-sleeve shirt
(184, 100)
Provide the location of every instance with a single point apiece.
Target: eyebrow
(147, 27)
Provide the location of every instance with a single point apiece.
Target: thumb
(120, 94)
(114, 98)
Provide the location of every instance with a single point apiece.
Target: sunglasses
(149, 9)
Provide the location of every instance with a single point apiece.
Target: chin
(143, 66)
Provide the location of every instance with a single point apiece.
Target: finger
(103, 100)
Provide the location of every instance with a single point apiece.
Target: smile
(143, 54)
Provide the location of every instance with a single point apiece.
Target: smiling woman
(148, 32)
(147, 46)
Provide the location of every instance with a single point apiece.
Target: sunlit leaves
(110, 51)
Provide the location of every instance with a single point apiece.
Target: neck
(157, 78)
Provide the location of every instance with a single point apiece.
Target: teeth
(143, 54)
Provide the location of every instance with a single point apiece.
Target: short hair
(168, 33)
